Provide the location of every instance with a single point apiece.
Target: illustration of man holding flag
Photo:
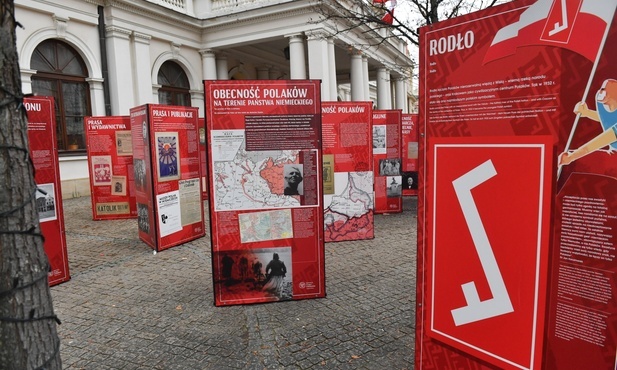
(606, 114)
(578, 25)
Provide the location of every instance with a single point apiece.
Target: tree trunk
(28, 337)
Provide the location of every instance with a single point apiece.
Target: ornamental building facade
(103, 57)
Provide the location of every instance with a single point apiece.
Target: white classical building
(103, 57)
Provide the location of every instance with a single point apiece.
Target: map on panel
(267, 225)
(246, 180)
(349, 213)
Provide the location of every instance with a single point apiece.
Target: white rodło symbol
(564, 20)
(500, 304)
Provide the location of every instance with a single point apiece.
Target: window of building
(62, 73)
(174, 85)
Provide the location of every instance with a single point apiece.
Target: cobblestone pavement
(127, 308)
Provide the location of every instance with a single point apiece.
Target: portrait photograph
(292, 179)
(410, 180)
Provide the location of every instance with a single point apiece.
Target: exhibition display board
(347, 170)
(167, 175)
(517, 203)
(44, 155)
(202, 158)
(110, 165)
(266, 190)
(409, 150)
(387, 161)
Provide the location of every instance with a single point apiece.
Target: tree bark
(28, 337)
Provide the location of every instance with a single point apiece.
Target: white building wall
(142, 36)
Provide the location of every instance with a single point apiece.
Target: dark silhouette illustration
(228, 263)
(275, 273)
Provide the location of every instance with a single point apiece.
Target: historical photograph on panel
(390, 167)
(292, 179)
(139, 170)
(394, 186)
(167, 156)
(328, 173)
(46, 202)
(124, 146)
(101, 170)
(410, 180)
(118, 185)
(412, 150)
(143, 219)
(254, 274)
(379, 139)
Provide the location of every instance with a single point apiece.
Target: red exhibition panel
(110, 164)
(44, 154)
(347, 170)
(409, 150)
(167, 174)
(266, 189)
(475, 291)
(387, 161)
(202, 158)
(511, 73)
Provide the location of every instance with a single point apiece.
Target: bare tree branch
(367, 13)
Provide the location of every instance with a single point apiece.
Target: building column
(120, 75)
(275, 73)
(97, 96)
(297, 62)
(263, 72)
(365, 76)
(26, 80)
(155, 93)
(400, 90)
(208, 64)
(197, 100)
(332, 70)
(143, 76)
(319, 62)
(357, 80)
(222, 72)
(384, 100)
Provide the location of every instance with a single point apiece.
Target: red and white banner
(44, 154)
(577, 25)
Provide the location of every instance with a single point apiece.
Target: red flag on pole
(576, 25)
(388, 5)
